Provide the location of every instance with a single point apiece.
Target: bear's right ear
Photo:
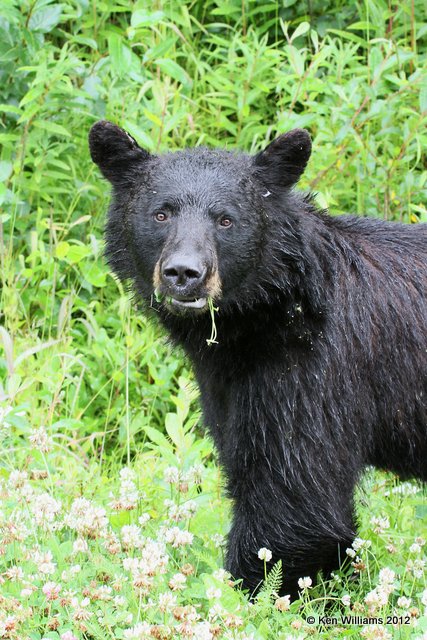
(115, 152)
(284, 160)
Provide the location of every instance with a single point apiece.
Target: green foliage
(76, 356)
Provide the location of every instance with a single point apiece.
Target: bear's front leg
(304, 536)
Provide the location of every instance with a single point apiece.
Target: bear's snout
(183, 272)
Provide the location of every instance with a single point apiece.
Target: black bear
(320, 365)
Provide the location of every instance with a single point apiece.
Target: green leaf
(141, 18)
(423, 98)
(52, 127)
(5, 170)
(174, 70)
(44, 20)
(300, 30)
(120, 54)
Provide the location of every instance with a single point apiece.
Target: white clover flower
(195, 474)
(178, 537)
(171, 475)
(132, 537)
(218, 540)
(40, 440)
(202, 631)
(68, 635)
(359, 544)
(376, 599)
(140, 631)
(415, 548)
(14, 573)
(404, 602)
(222, 575)
(86, 518)
(177, 582)
(416, 567)
(44, 509)
(51, 590)
(375, 632)
(144, 519)
(17, 479)
(346, 600)
(213, 593)
(305, 583)
(283, 603)
(265, 554)
(44, 562)
(379, 525)
(166, 602)
(80, 546)
(386, 576)
(351, 553)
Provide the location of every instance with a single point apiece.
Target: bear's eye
(161, 216)
(225, 221)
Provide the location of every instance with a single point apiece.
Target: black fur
(321, 363)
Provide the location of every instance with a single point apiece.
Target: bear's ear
(284, 160)
(115, 152)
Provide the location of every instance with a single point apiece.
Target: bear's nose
(183, 271)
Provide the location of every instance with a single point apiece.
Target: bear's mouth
(188, 303)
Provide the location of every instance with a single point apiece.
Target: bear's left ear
(284, 160)
(115, 152)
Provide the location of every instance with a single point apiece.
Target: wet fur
(321, 363)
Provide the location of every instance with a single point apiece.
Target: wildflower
(351, 553)
(305, 583)
(144, 519)
(386, 578)
(416, 567)
(80, 546)
(131, 537)
(177, 582)
(86, 518)
(265, 554)
(213, 593)
(140, 631)
(202, 631)
(44, 562)
(346, 600)
(404, 602)
(51, 590)
(178, 537)
(283, 603)
(68, 635)
(171, 475)
(14, 573)
(166, 602)
(376, 599)
(218, 540)
(359, 544)
(415, 548)
(375, 632)
(221, 574)
(17, 479)
(40, 440)
(379, 525)
(44, 509)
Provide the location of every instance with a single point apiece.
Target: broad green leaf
(300, 30)
(141, 18)
(174, 70)
(44, 20)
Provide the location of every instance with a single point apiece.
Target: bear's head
(193, 225)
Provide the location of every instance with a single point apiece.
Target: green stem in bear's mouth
(212, 309)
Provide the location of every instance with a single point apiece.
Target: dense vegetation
(99, 421)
